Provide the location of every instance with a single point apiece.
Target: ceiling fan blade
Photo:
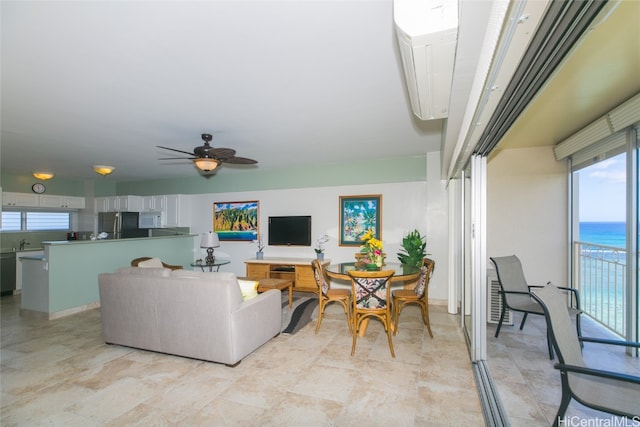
(239, 161)
(223, 153)
(173, 149)
(177, 158)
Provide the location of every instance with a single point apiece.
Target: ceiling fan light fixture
(43, 176)
(206, 164)
(103, 170)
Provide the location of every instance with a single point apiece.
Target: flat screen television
(290, 230)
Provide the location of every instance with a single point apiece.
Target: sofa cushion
(151, 263)
(249, 289)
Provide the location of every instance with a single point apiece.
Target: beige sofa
(186, 313)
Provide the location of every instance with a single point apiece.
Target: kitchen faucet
(22, 243)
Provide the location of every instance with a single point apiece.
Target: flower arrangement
(324, 238)
(372, 247)
(259, 242)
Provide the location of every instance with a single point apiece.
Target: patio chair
(516, 294)
(327, 295)
(371, 298)
(612, 392)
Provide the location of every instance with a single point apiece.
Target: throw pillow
(151, 263)
(422, 282)
(249, 289)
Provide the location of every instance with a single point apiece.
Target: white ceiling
(283, 82)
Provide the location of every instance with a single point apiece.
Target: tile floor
(529, 386)
(60, 373)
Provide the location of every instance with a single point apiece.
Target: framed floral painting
(358, 214)
(237, 220)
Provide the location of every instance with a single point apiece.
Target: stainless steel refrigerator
(120, 225)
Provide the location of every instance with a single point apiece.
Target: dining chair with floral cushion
(327, 295)
(371, 299)
(418, 295)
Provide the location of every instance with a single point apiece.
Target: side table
(216, 264)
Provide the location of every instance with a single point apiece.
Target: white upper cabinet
(178, 211)
(28, 200)
(153, 203)
(57, 201)
(20, 199)
(119, 204)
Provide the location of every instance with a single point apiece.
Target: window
(35, 221)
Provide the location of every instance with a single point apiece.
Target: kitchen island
(64, 280)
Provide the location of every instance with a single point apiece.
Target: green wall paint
(21, 183)
(405, 169)
(74, 267)
(400, 169)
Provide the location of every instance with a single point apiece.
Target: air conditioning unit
(494, 305)
(427, 33)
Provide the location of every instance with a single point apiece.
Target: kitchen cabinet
(29, 200)
(177, 211)
(58, 201)
(118, 204)
(20, 199)
(153, 203)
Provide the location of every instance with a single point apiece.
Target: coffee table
(281, 284)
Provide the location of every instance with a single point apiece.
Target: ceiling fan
(207, 158)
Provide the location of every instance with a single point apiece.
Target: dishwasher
(7, 273)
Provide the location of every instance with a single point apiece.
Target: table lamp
(209, 240)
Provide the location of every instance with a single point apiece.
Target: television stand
(298, 270)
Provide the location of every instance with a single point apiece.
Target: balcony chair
(418, 295)
(371, 298)
(516, 294)
(327, 295)
(612, 392)
(135, 263)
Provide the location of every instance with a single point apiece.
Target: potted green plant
(413, 249)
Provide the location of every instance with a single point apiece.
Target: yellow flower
(375, 243)
(366, 236)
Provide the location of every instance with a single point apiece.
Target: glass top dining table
(402, 272)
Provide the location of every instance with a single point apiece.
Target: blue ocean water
(604, 233)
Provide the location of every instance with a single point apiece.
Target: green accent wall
(355, 172)
(74, 267)
(404, 169)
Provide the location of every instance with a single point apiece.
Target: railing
(600, 276)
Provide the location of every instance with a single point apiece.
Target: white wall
(405, 206)
(527, 212)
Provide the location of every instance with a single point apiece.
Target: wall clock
(38, 188)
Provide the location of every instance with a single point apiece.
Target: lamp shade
(43, 176)
(206, 164)
(103, 169)
(209, 240)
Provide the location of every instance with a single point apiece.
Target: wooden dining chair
(327, 295)
(418, 295)
(371, 299)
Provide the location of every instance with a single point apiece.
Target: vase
(259, 255)
(320, 256)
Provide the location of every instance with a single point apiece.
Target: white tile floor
(60, 373)
(528, 384)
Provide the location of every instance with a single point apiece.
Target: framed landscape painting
(236, 220)
(358, 214)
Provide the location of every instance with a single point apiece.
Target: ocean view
(603, 233)
(603, 273)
